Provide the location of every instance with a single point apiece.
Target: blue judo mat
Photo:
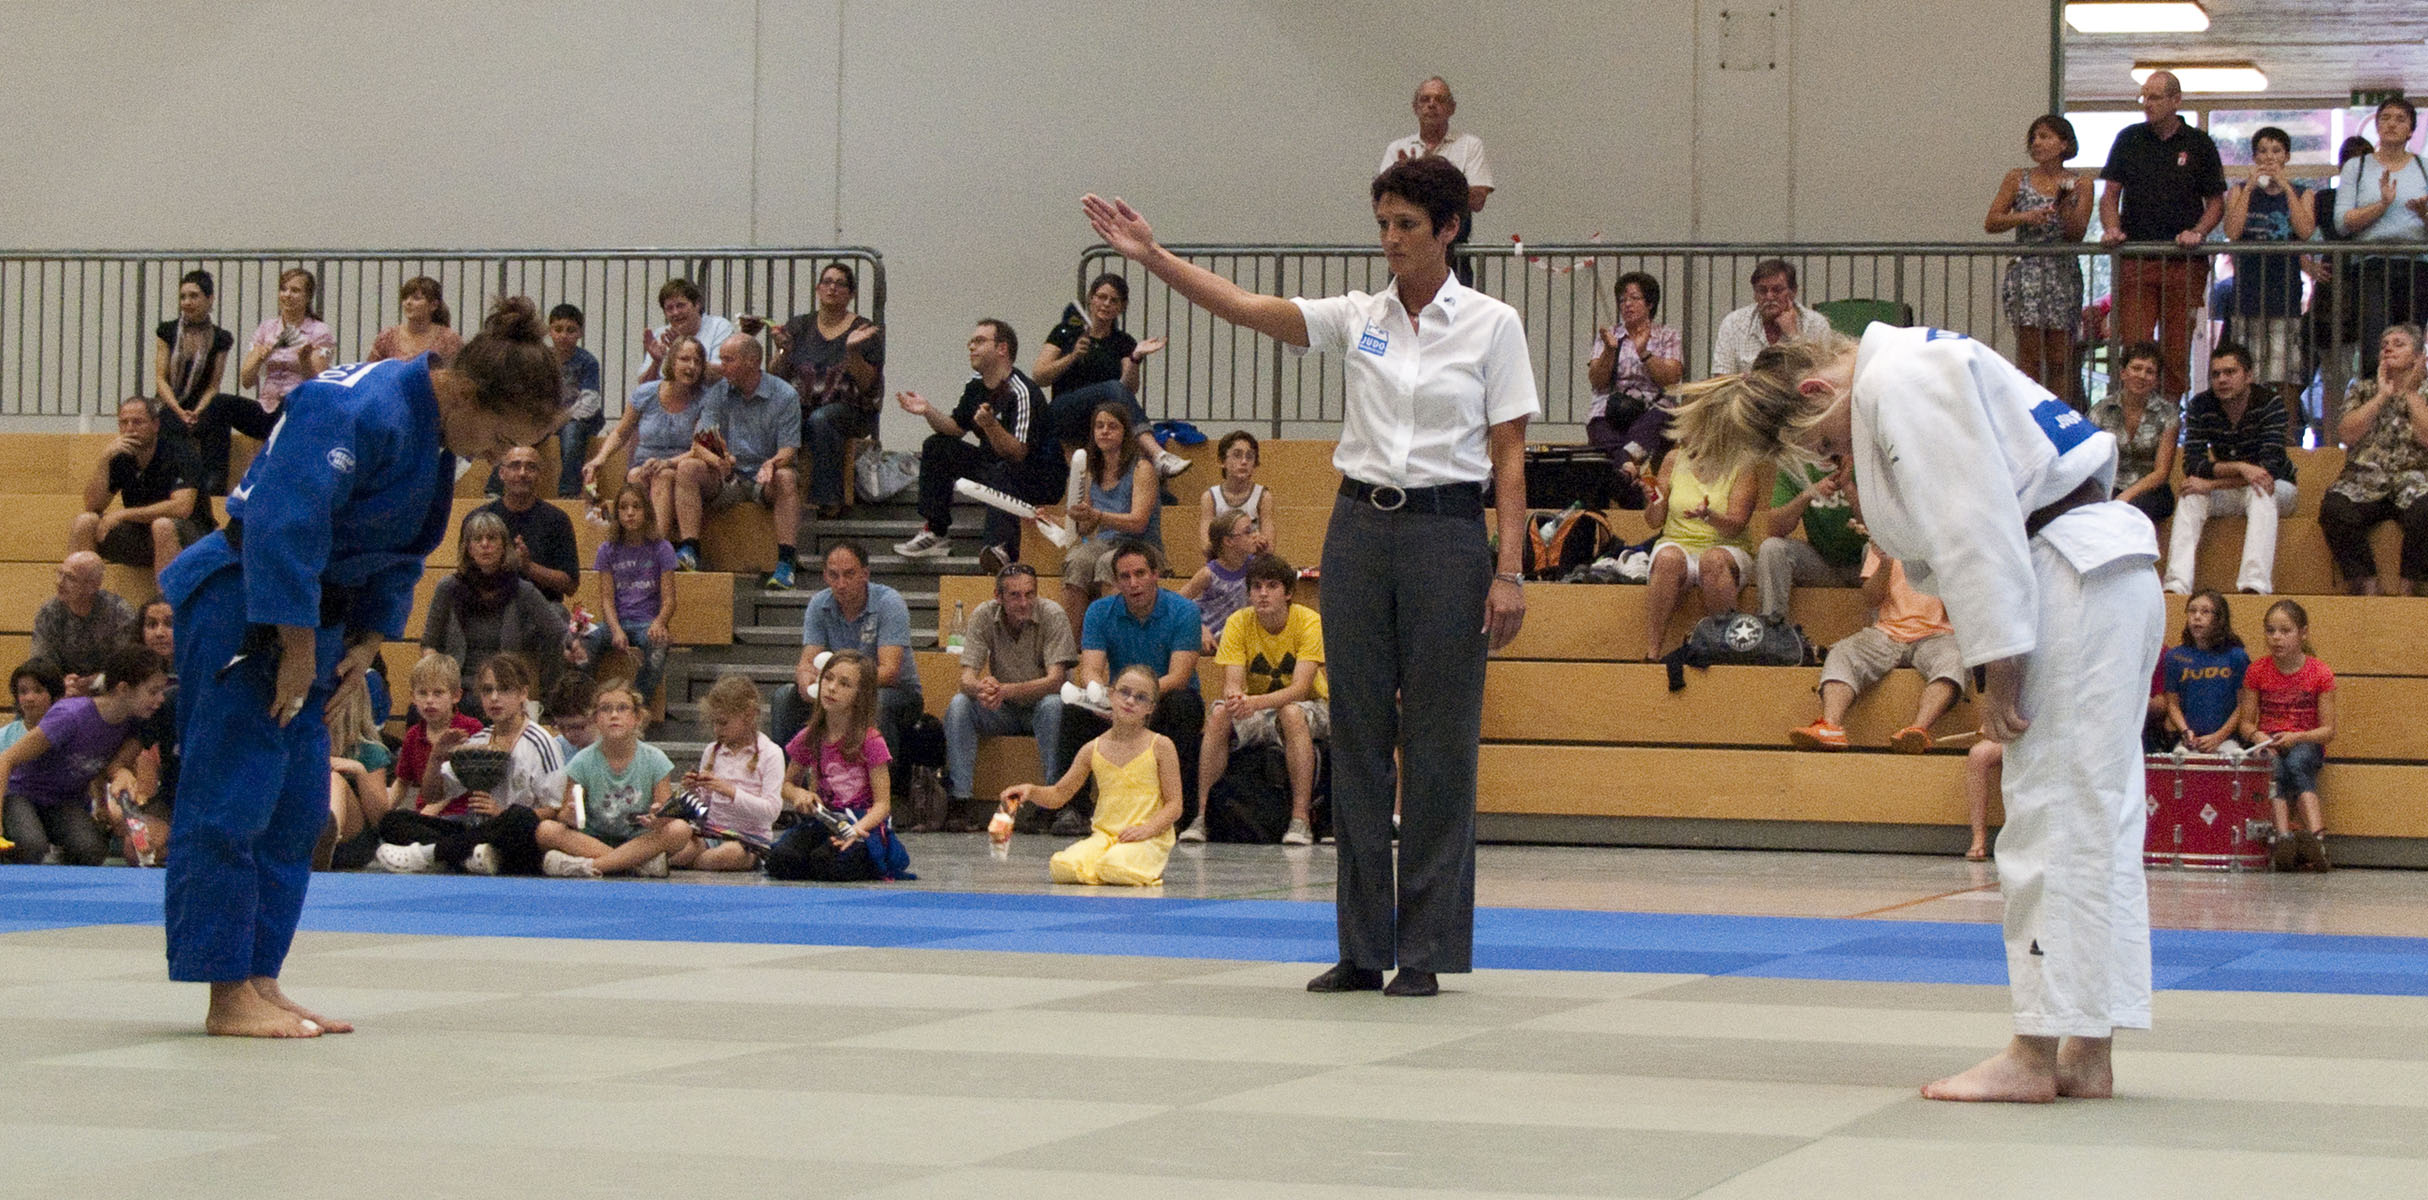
(34, 898)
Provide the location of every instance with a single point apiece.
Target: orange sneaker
(1820, 735)
(1913, 739)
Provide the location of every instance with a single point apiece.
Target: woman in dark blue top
(316, 567)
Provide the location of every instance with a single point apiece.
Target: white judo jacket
(1953, 448)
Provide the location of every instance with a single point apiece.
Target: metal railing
(77, 326)
(1215, 373)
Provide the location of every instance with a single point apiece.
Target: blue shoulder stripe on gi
(2065, 428)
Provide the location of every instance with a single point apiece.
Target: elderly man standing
(160, 489)
(1776, 315)
(78, 628)
(542, 533)
(2165, 186)
(761, 418)
(1434, 106)
(1018, 652)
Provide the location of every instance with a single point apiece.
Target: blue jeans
(825, 433)
(966, 720)
(652, 654)
(2297, 768)
(573, 446)
(1070, 411)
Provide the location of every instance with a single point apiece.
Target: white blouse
(1420, 398)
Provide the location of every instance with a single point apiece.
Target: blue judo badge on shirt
(2065, 428)
(1373, 341)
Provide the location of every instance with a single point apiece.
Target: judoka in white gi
(1993, 493)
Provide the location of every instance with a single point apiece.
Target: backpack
(885, 475)
(1251, 802)
(1558, 543)
(1740, 639)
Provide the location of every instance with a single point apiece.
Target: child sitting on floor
(739, 784)
(1137, 776)
(621, 781)
(476, 830)
(836, 776)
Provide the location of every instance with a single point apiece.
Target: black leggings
(36, 828)
(2347, 523)
(515, 833)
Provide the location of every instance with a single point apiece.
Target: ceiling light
(2136, 16)
(2208, 77)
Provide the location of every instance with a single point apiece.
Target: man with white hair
(78, 628)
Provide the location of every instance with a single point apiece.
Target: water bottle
(959, 633)
(138, 835)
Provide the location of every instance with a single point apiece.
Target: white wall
(969, 131)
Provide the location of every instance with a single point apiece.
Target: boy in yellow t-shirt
(1272, 656)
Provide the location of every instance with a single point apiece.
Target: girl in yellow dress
(1137, 774)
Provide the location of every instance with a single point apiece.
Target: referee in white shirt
(1440, 390)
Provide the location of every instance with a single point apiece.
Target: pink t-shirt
(840, 782)
(283, 369)
(758, 778)
(2288, 703)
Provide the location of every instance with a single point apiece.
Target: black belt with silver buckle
(1447, 500)
(2088, 492)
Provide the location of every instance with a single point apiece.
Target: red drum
(2209, 811)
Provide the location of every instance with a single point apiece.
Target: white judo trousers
(2069, 856)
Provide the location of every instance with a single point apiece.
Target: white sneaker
(1300, 833)
(1196, 832)
(482, 860)
(556, 864)
(404, 860)
(926, 544)
(653, 869)
(1169, 464)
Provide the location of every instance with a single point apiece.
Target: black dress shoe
(1345, 978)
(1412, 982)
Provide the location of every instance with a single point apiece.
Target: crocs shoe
(556, 864)
(1820, 735)
(1913, 739)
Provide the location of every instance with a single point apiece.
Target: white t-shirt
(1740, 337)
(535, 776)
(1421, 396)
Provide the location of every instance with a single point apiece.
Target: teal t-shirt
(612, 799)
(1825, 519)
(373, 755)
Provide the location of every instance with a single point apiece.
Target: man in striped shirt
(2234, 462)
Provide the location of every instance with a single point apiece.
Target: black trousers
(515, 833)
(945, 460)
(1180, 716)
(220, 414)
(36, 828)
(2346, 524)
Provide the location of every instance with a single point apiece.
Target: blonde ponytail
(1732, 422)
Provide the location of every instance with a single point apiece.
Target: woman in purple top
(81, 740)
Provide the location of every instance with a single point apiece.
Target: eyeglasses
(1015, 570)
(1130, 693)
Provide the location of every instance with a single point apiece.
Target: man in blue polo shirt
(760, 416)
(1141, 622)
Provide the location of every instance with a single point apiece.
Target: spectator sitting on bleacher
(2234, 462)
(82, 741)
(1236, 491)
(1123, 504)
(2385, 477)
(851, 613)
(78, 627)
(2144, 423)
(1014, 660)
(1088, 360)
(584, 405)
(660, 420)
(1775, 316)
(623, 780)
(189, 358)
(1703, 543)
(636, 571)
(760, 416)
(680, 300)
(2201, 680)
(1015, 451)
(428, 328)
(487, 608)
(1272, 656)
(1142, 624)
(1220, 587)
(835, 359)
(1908, 629)
(1634, 364)
(161, 510)
(1821, 495)
(36, 685)
(286, 349)
(540, 533)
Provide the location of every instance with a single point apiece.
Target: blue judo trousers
(328, 531)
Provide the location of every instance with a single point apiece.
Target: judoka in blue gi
(314, 570)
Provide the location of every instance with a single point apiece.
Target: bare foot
(2084, 1069)
(239, 1011)
(267, 988)
(2023, 1073)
